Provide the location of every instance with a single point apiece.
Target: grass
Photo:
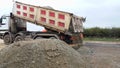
(102, 39)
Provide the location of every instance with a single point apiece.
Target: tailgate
(77, 23)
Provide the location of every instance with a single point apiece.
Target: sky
(98, 13)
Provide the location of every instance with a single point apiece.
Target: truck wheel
(18, 38)
(7, 39)
(52, 38)
(38, 38)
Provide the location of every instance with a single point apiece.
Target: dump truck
(60, 25)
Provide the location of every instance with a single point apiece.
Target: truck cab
(16, 30)
(10, 26)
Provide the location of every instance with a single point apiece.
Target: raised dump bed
(49, 18)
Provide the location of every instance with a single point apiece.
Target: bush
(102, 32)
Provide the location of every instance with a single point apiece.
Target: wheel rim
(19, 38)
(7, 39)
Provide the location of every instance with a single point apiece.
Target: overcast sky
(99, 13)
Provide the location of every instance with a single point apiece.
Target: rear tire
(38, 38)
(52, 38)
(18, 38)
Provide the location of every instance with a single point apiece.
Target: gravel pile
(40, 54)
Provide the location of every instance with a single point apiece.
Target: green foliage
(102, 39)
(102, 32)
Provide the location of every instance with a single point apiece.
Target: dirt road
(104, 55)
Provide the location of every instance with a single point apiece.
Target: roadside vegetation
(102, 34)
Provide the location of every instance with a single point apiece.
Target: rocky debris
(40, 54)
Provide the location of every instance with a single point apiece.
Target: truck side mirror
(0, 20)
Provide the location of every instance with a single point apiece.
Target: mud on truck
(59, 25)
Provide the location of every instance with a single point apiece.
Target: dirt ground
(97, 55)
(2, 45)
(104, 54)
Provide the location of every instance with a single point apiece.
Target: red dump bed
(49, 18)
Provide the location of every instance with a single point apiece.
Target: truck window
(6, 24)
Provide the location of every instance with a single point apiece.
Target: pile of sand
(40, 54)
(86, 55)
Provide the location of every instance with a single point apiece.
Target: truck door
(3, 23)
(16, 25)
